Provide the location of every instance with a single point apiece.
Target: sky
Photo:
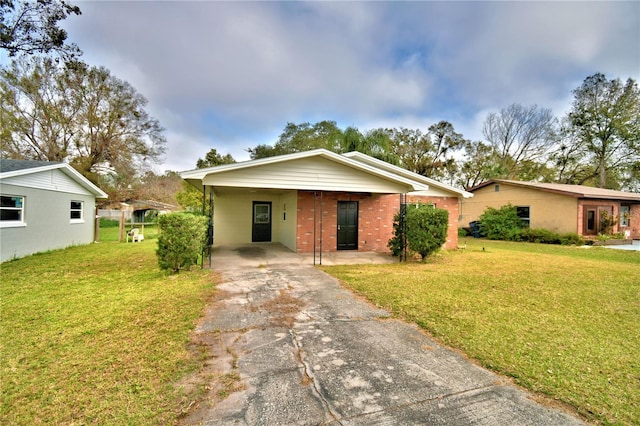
(231, 75)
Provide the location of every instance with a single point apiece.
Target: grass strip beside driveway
(96, 334)
(562, 321)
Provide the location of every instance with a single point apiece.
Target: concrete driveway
(298, 349)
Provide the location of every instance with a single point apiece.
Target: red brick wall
(375, 219)
(634, 221)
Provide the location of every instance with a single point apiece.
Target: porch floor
(263, 254)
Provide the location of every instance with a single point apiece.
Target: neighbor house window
(624, 215)
(524, 215)
(11, 210)
(496, 188)
(75, 213)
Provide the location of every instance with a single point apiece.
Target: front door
(261, 230)
(597, 220)
(347, 225)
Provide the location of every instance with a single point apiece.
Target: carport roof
(197, 176)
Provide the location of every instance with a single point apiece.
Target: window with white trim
(75, 212)
(624, 215)
(11, 210)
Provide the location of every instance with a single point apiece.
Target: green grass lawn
(561, 321)
(97, 334)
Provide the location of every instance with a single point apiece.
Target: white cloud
(231, 75)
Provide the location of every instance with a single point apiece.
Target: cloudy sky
(231, 75)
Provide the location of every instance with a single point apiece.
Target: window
(624, 215)
(261, 213)
(524, 215)
(496, 188)
(75, 213)
(11, 210)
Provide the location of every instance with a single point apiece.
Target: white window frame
(72, 210)
(625, 211)
(14, 223)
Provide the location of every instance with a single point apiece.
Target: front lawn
(96, 334)
(561, 321)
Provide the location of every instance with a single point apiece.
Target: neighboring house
(317, 200)
(44, 206)
(558, 207)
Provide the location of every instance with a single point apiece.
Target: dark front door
(261, 230)
(347, 225)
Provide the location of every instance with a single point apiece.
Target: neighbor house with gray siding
(44, 206)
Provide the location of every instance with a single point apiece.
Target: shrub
(181, 240)
(500, 224)
(571, 239)
(544, 236)
(426, 230)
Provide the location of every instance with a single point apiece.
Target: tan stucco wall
(550, 211)
(232, 217)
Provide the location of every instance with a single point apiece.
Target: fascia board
(358, 156)
(64, 168)
(202, 173)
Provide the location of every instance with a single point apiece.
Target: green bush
(500, 224)
(182, 238)
(426, 230)
(571, 239)
(544, 236)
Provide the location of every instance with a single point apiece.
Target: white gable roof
(433, 184)
(318, 169)
(25, 177)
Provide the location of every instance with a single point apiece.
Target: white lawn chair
(135, 235)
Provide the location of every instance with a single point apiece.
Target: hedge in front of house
(182, 238)
(544, 236)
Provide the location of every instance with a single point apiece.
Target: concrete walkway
(307, 352)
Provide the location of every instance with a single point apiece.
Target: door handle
(338, 227)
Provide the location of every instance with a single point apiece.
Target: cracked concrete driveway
(304, 351)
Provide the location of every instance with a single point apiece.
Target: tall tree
(431, 153)
(478, 164)
(213, 158)
(77, 114)
(302, 137)
(605, 118)
(375, 143)
(520, 135)
(29, 27)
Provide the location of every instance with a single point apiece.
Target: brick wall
(375, 219)
(634, 221)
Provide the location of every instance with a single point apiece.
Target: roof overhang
(201, 177)
(64, 168)
(574, 191)
(358, 156)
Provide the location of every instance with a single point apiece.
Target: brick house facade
(375, 219)
(317, 200)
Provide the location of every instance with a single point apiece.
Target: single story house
(558, 207)
(317, 200)
(44, 206)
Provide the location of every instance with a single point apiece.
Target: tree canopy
(605, 126)
(78, 114)
(32, 27)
